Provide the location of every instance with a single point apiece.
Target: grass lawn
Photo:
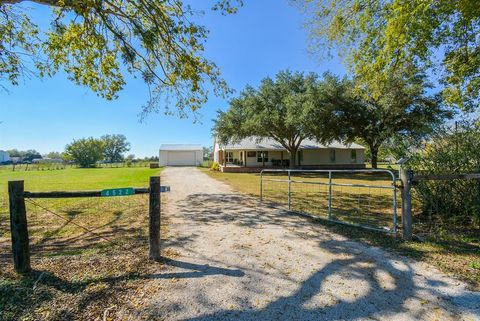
(450, 254)
(77, 274)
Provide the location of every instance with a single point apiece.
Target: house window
(333, 156)
(353, 156)
(251, 154)
(229, 157)
(259, 157)
(300, 157)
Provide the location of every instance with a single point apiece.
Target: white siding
(180, 158)
(4, 157)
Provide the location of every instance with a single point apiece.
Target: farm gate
(361, 197)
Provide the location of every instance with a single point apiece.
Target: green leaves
(378, 37)
(85, 152)
(286, 109)
(96, 42)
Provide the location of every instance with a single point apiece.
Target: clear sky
(262, 38)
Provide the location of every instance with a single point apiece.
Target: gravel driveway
(238, 260)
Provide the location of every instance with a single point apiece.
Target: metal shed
(180, 155)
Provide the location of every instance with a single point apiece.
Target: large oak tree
(402, 108)
(286, 109)
(95, 42)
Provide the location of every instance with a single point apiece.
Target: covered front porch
(240, 160)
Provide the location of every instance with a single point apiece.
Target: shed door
(181, 158)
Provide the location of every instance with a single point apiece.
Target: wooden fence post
(406, 176)
(154, 214)
(18, 227)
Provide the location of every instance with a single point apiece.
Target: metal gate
(361, 197)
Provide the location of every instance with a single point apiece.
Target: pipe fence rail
(361, 197)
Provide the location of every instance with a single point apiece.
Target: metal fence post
(261, 186)
(154, 218)
(329, 195)
(394, 182)
(406, 176)
(289, 190)
(19, 227)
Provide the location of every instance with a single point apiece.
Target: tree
(285, 109)
(96, 42)
(401, 110)
(376, 37)
(114, 147)
(85, 152)
(26, 156)
(54, 155)
(207, 153)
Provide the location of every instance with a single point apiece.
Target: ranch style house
(252, 155)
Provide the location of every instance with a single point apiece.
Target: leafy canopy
(85, 152)
(401, 109)
(115, 146)
(376, 37)
(96, 42)
(285, 109)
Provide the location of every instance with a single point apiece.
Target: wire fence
(366, 198)
(78, 225)
(70, 226)
(446, 208)
(59, 166)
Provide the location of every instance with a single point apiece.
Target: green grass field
(451, 254)
(75, 264)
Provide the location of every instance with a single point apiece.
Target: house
(4, 157)
(181, 155)
(250, 155)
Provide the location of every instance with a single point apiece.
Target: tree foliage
(376, 37)
(402, 109)
(114, 147)
(26, 156)
(96, 42)
(285, 109)
(452, 150)
(85, 152)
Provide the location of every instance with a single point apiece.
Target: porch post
(244, 158)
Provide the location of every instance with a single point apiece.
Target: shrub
(452, 151)
(207, 163)
(215, 166)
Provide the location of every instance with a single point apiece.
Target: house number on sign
(118, 191)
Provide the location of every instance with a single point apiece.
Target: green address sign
(118, 191)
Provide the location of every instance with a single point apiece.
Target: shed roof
(181, 147)
(270, 144)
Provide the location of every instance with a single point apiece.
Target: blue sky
(262, 38)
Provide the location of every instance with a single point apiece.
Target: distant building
(4, 157)
(180, 155)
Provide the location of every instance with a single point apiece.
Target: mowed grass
(458, 258)
(77, 273)
(369, 203)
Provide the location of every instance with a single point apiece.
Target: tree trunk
(293, 155)
(374, 155)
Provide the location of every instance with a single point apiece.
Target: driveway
(238, 260)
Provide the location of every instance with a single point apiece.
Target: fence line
(315, 197)
(18, 215)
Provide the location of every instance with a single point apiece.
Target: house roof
(270, 144)
(180, 147)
